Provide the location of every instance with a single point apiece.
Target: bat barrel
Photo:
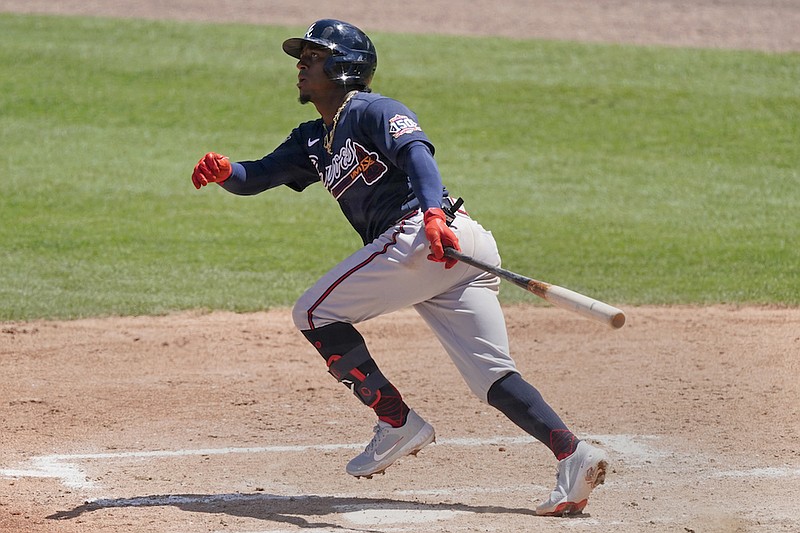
(585, 306)
(558, 296)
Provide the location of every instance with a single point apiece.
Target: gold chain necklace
(328, 141)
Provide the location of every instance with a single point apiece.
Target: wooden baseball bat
(558, 296)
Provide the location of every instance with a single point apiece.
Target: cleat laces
(380, 433)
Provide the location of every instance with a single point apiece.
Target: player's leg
(479, 350)
(469, 322)
(349, 361)
(386, 275)
(367, 284)
(470, 325)
(399, 431)
(356, 289)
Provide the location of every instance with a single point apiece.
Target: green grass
(639, 175)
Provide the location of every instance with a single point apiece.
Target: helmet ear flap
(333, 68)
(349, 74)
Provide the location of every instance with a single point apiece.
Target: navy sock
(524, 405)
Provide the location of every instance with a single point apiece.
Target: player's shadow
(296, 510)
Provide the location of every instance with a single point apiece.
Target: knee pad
(348, 360)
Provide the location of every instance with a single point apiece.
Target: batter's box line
(64, 467)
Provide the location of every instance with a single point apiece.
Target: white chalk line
(634, 450)
(472, 490)
(768, 473)
(369, 515)
(65, 467)
(47, 467)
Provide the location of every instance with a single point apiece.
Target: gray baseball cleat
(390, 444)
(576, 476)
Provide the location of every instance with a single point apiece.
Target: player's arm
(417, 161)
(242, 178)
(253, 177)
(286, 165)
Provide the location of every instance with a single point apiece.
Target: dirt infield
(225, 422)
(205, 422)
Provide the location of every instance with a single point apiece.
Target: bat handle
(452, 252)
(455, 254)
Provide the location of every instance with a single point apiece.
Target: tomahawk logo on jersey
(352, 163)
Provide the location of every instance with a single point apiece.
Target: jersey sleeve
(417, 161)
(287, 165)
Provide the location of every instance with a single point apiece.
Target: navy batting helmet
(353, 57)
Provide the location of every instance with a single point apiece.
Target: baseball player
(371, 154)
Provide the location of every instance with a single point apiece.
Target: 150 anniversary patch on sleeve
(401, 124)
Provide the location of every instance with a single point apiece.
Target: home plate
(377, 514)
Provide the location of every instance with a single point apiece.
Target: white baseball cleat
(576, 476)
(390, 444)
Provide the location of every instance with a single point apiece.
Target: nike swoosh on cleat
(378, 456)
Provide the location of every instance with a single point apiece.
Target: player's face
(312, 80)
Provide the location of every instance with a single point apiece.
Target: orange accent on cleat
(576, 477)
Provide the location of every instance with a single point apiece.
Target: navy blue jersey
(363, 170)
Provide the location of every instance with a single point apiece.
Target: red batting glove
(212, 168)
(440, 236)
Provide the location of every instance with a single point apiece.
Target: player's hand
(212, 168)
(440, 236)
